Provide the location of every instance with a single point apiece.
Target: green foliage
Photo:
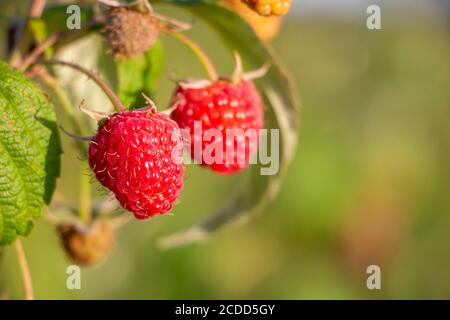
(29, 153)
(139, 75)
(129, 77)
(132, 76)
(369, 185)
(282, 112)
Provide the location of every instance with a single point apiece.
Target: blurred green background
(370, 183)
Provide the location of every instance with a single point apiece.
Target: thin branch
(198, 52)
(26, 275)
(64, 102)
(39, 50)
(97, 79)
(120, 221)
(191, 235)
(56, 37)
(85, 195)
(36, 8)
(74, 136)
(236, 77)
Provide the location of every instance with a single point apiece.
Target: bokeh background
(370, 183)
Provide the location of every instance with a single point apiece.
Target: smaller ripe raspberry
(270, 7)
(137, 155)
(87, 247)
(230, 106)
(130, 32)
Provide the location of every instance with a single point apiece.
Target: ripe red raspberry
(221, 105)
(137, 156)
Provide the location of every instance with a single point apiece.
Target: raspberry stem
(97, 79)
(85, 195)
(64, 103)
(26, 275)
(198, 52)
(36, 53)
(236, 77)
(36, 8)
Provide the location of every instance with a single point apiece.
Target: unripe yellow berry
(270, 7)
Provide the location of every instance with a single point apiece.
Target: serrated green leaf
(139, 75)
(29, 153)
(282, 113)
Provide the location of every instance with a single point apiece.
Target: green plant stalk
(52, 41)
(85, 195)
(25, 270)
(97, 79)
(67, 108)
(24, 41)
(85, 185)
(35, 10)
(198, 52)
(40, 49)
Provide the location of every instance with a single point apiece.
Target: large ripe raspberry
(221, 105)
(137, 155)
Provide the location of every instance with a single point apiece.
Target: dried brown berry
(130, 32)
(87, 247)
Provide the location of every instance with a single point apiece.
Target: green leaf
(282, 113)
(139, 75)
(29, 153)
